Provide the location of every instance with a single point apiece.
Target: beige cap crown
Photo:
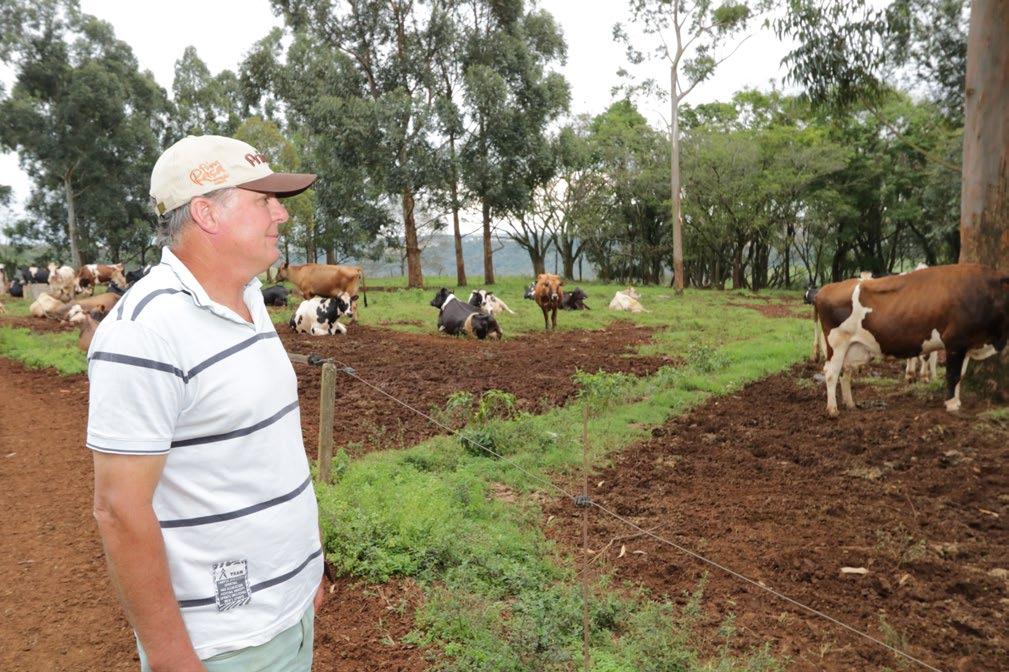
(199, 164)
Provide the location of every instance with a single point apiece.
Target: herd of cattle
(962, 309)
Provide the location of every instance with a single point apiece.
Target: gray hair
(171, 224)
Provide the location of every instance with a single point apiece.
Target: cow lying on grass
(319, 316)
(456, 317)
(45, 306)
(549, 297)
(962, 308)
(575, 300)
(487, 303)
(326, 280)
(275, 295)
(627, 299)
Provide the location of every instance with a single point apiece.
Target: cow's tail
(364, 289)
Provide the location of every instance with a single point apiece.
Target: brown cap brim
(281, 184)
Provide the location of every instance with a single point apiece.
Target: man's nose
(278, 210)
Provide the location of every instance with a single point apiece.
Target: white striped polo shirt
(174, 373)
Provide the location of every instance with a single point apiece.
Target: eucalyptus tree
(695, 37)
(511, 97)
(392, 47)
(82, 118)
(203, 103)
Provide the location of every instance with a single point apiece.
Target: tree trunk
(75, 251)
(415, 277)
(539, 263)
(488, 251)
(460, 265)
(984, 201)
(674, 183)
(984, 198)
(330, 255)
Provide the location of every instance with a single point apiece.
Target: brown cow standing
(329, 280)
(549, 296)
(962, 308)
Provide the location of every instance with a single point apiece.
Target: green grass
(57, 350)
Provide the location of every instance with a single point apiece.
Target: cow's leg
(956, 366)
(910, 368)
(553, 318)
(546, 319)
(815, 354)
(847, 373)
(923, 372)
(933, 364)
(831, 372)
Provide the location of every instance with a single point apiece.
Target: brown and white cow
(549, 295)
(962, 309)
(90, 275)
(330, 280)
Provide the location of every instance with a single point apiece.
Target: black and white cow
(275, 295)
(575, 300)
(319, 316)
(16, 289)
(487, 303)
(456, 317)
(530, 292)
(136, 274)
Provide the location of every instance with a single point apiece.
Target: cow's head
(485, 326)
(477, 298)
(810, 293)
(440, 298)
(330, 310)
(117, 276)
(578, 296)
(530, 292)
(282, 272)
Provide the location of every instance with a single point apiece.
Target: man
(202, 490)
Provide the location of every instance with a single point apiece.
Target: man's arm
(135, 551)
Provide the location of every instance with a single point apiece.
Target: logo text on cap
(256, 159)
(209, 173)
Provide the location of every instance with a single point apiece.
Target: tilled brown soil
(765, 484)
(423, 370)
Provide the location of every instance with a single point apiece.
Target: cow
(45, 306)
(3, 278)
(88, 323)
(319, 316)
(575, 300)
(962, 309)
(530, 292)
(136, 274)
(549, 295)
(627, 299)
(16, 289)
(275, 295)
(102, 303)
(63, 282)
(326, 280)
(37, 273)
(923, 367)
(90, 275)
(456, 317)
(487, 303)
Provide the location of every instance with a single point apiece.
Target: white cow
(627, 299)
(319, 316)
(45, 306)
(62, 281)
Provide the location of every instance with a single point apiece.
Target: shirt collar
(200, 296)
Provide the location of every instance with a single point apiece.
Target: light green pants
(290, 651)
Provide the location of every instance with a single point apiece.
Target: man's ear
(202, 211)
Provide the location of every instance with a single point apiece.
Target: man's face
(250, 226)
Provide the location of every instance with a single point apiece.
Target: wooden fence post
(327, 400)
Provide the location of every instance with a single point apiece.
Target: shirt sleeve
(137, 389)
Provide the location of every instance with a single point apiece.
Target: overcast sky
(223, 31)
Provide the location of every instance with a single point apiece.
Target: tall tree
(511, 97)
(693, 37)
(393, 47)
(204, 103)
(80, 114)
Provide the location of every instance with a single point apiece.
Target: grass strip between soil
(57, 350)
(465, 525)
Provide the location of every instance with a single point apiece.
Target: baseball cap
(199, 164)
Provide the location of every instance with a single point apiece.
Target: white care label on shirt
(231, 584)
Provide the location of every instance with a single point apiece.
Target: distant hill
(438, 258)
